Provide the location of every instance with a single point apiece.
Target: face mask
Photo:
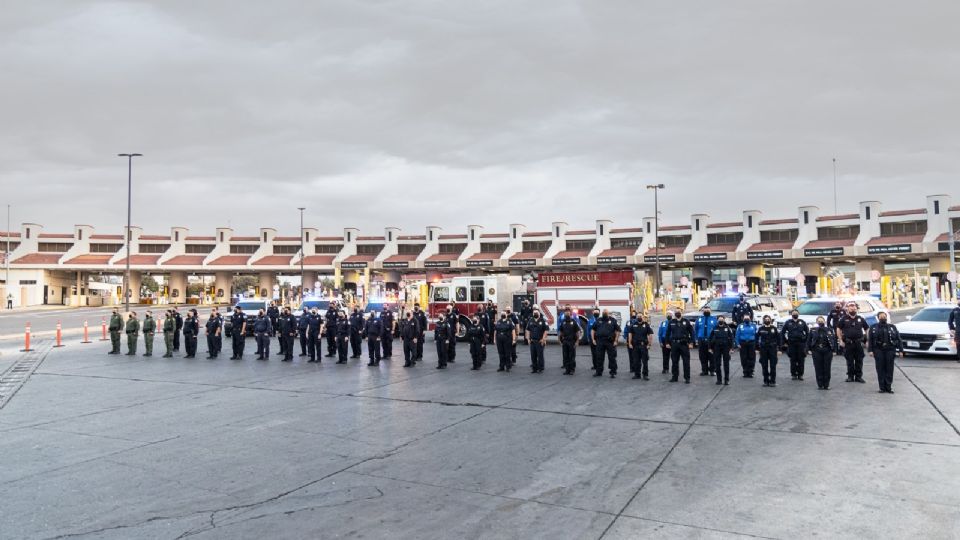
(605, 317)
(766, 323)
(821, 323)
(441, 318)
(503, 316)
(883, 320)
(536, 315)
(707, 313)
(795, 316)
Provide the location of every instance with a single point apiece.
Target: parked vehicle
(583, 291)
(868, 307)
(928, 332)
(250, 309)
(777, 307)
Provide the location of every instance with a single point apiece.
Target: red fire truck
(469, 293)
(612, 291)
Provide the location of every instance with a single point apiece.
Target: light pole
(302, 284)
(126, 273)
(6, 261)
(835, 186)
(656, 232)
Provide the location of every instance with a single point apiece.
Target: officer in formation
(314, 331)
(218, 335)
(477, 336)
(410, 336)
(954, 323)
(213, 328)
(273, 312)
(238, 321)
(536, 336)
(177, 328)
(720, 341)
(605, 334)
(822, 342)
(491, 322)
(664, 344)
(639, 339)
(852, 334)
(149, 328)
(453, 320)
(833, 318)
(512, 317)
(132, 329)
(191, 328)
(884, 342)
(356, 329)
(302, 325)
(745, 339)
(389, 331)
(483, 320)
(680, 335)
(343, 332)
(525, 313)
(506, 338)
(330, 322)
(116, 326)
(741, 310)
(288, 331)
(793, 340)
(442, 334)
(421, 318)
(262, 330)
(768, 341)
(702, 330)
(592, 319)
(569, 334)
(168, 327)
(373, 332)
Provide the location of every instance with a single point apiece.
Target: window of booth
(580, 245)
(621, 243)
(241, 249)
(719, 239)
(903, 228)
(786, 235)
(838, 233)
(154, 248)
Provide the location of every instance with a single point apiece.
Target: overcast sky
(441, 112)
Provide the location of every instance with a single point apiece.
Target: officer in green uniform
(116, 325)
(133, 329)
(168, 328)
(149, 327)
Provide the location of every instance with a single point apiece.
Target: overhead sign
(522, 262)
(436, 264)
(766, 254)
(888, 249)
(396, 264)
(580, 279)
(662, 258)
(611, 260)
(823, 252)
(353, 265)
(480, 262)
(560, 261)
(709, 256)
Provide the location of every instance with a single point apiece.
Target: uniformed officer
(768, 341)
(149, 328)
(453, 320)
(314, 331)
(302, 325)
(680, 336)
(262, 330)
(273, 312)
(525, 313)
(491, 322)
(639, 339)
(822, 342)
(793, 340)
(626, 333)
(177, 328)
(410, 336)
(330, 323)
(373, 332)
(746, 340)
(239, 322)
(168, 327)
(116, 326)
(389, 324)
(288, 330)
(664, 343)
(593, 319)
(835, 315)
(569, 333)
(884, 340)
(343, 330)
(421, 319)
(605, 334)
(512, 317)
(721, 341)
(442, 335)
(191, 327)
(852, 333)
(218, 335)
(702, 330)
(356, 328)
(741, 310)
(536, 336)
(484, 323)
(213, 329)
(954, 324)
(506, 337)
(132, 329)
(477, 337)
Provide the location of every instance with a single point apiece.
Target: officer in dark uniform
(302, 325)
(605, 334)
(239, 322)
(822, 342)
(262, 329)
(742, 309)
(506, 337)
(330, 322)
(664, 343)
(410, 336)
(453, 320)
(356, 328)
(793, 340)
(680, 336)
(343, 330)
(569, 334)
(768, 341)
(852, 333)
(512, 317)
(314, 330)
(212, 328)
(536, 336)
(491, 321)
(483, 321)
(885, 343)
(591, 321)
(274, 313)
(720, 342)
(389, 330)
(639, 339)
(442, 335)
(288, 333)
(178, 327)
(191, 327)
(373, 332)
(218, 337)
(954, 323)
(745, 339)
(477, 337)
(525, 313)
(421, 318)
(835, 315)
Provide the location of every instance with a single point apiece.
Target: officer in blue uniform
(536, 336)
(703, 328)
(664, 344)
(746, 340)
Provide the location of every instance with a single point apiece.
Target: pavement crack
(930, 401)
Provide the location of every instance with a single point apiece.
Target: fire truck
(470, 293)
(612, 291)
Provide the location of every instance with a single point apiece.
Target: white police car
(928, 332)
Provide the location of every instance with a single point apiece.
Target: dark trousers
(536, 355)
(373, 350)
(639, 360)
(218, 343)
(605, 348)
(176, 340)
(211, 345)
(504, 346)
(665, 352)
(190, 343)
(853, 352)
(884, 359)
(303, 341)
(476, 353)
(419, 347)
(409, 350)
(452, 349)
(355, 342)
(768, 363)
(798, 355)
(342, 342)
(706, 358)
(237, 344)
(721, 359)
(748, 357)
(680, 351)
(313, 346)
(288, 346)
(282, 341)
(483, 351)
(570, 355)
(822, 362)
(331, 343)
(263, 344)
(386, 343)
(442, 351)
(513, 353)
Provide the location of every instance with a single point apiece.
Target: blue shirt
(705, 325)
(746, 332)
(662, 331)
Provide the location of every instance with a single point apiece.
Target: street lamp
(126, 274)
(656, 232)
(302, 284)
